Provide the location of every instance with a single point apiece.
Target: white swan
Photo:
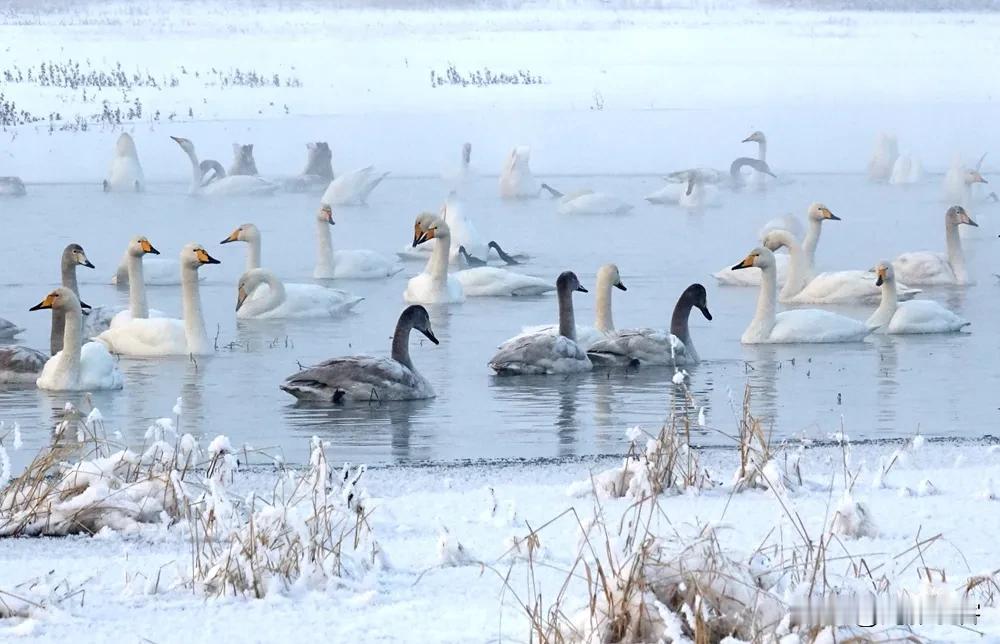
(434, 285)
(516, 180)
(347, 264)
(220, 185)
(288, 300)
(759, 178)
(250, 235)
(835, 287)
(917, 316)
(694, 192)
(655, 346)
(125, 174)
(105, 317)
(12, 187)
(367, 379)
(928, 268)
(463, 235)
(168, 336)
(960, 180)
(608, 276)
(78, 367)
(883, 157)
(545, 353)
(464, 172)
(353, 188)
(815, 215)
(588, 202)
(243, 161)
(907, 170)
(796, 326)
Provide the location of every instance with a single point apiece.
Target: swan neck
(324, 248)
(679, 324)
(69, 277)
(401, 343)
(604, 321)
(762, 150)
(800, 270)
(137, 305)
(567, 320)
(253, 253)
(764, 318)
(887, 305)
(956, 256)
(437, 264)
(69, 358)
(811, 240)
(194, 323)
(195, 170)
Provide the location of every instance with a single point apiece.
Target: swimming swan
(796, 326)
(434, 285)
(587, 202)
(959, 182)
(72, 256)
(516, 180)
(367, 379)
(78, 367)
(760, 174)
(353, 188)
(347, 264)
(168, 336)
(125, 174)
(281, 301)
(135, 267)
(917, 316)
(8, 330)
(883, 158)
(654, 346)
(544, 353)
(695, 192)
(927, 268)
(20, 365)
(220, 185)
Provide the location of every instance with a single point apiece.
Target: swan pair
(209, 179)
(125, 174)
(435, 285)
(587, 202)
(369, 379)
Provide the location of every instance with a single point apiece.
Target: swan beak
(430, 335)
(86, 262)
(620, 287)
(829, 215)
(420, 236)
(84, 305)
(44, 304)
(978, 178)
(234, 236)
(147, 247)
(704, 311)
(327, 214)
(241, 297)
(748, 139)
(746, 263)
(966, 219)
(880, 272)
(178, 140)
(205, 258)
(581, 289)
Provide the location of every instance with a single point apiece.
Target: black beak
(620, 286)
(227, 240)
(39, 307)
(153, 251)
(419, 240)
(738, 267)
(582, 290)
(210, 260)
(770, 174)
(834, 217)
(972, 223)
(430, 335)
(878, 281)
(84, 305)
(704, 311)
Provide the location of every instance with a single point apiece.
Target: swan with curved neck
(367, 379)
(168, 336)
(219, 184)
(927, 268)
(76, 367)
(250, 235)
(916, 316)
(281, 300)
(796, 326)
(72, 257)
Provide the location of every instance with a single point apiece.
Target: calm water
(944, 385)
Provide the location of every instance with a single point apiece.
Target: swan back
(319, 161)
(243, 161)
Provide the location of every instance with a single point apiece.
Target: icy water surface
(941, 385)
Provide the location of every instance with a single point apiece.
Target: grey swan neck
(401, 343)
(679, 324)
(567, 320)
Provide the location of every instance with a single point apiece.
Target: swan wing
(815, 325)
(358, 379)
(925, 316)
(539, 353)
(648, 346)
(594, 203)
(422, 289)
(20, 364)
(363, 264)
(239, 184)
(923, 268)
(146, 337)
(488, 281)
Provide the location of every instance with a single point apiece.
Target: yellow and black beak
(234, 236)
(46, 303)
(241, 296)
(328, 215)
(148, 248)
(880, 276)
(204, 257)
(620, 286)
(829, 215)
(420, 235)
(746, 263)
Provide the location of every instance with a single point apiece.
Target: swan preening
(588, 202)
(78, 366)
(243, 161)
(353, 188)
(12, 187)
(284, 301)
(654, 346)
(167, 336)
(209, 178)
(516, 180)
(125, 174)
(367, 379)
(925, 268)
(546, 353)
(347, 264)
(796, 326)
(916, 316)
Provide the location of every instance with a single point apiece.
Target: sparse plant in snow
(853, 519)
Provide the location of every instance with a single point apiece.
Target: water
(886, 387)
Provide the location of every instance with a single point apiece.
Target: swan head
(429, 226)
(819, 212)
(74, 255)
(777, 238)
(125, 146)
(195, 256)
(140, 246)
(760, 257)
(973, 176)
(418, 318)
(884, 273)
(609, 274)
(325, 215)
(697, 296)
(956, 215)
(567, 282)
(185, 144)
(61, 299)
(756, 137)
(243, 233)
(248, 282)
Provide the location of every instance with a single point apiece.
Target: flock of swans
(85, 340)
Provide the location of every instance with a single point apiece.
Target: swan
(347, 264)
(546, 353)
(289, 300)
(653, 346)
(219, 185)
(608, 276)
(883, 158)
(836, 287)
(928, 268)
(815, 215)
(464, 172)
(368, 379)
(907, 170)
(8, 330)
(516, 180)
(78, 367)
(135, 267)
(471, 261)
(759, 175)
(916, 316)
(12, 187)
(353, 188)
(587, 202)
(463, 233)
(125, 174)
(695, 192)
(318, 172)
(72, 256)
(959, 182)
(796, 326)
(167, 336)
(20, 365)
(243, 162)
(250, 235)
